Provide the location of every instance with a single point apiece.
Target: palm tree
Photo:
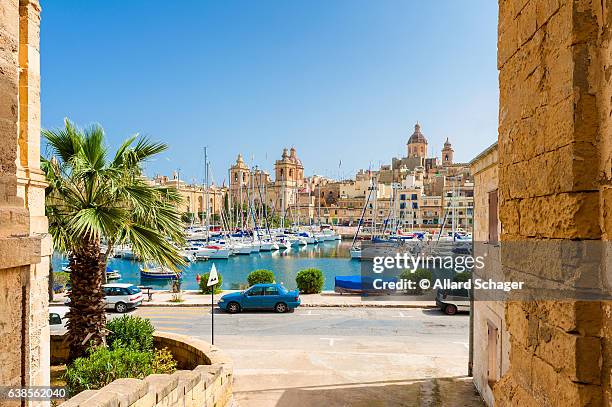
(94, 197)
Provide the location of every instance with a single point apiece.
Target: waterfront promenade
(192, 298)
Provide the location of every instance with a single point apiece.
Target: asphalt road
(330, 355)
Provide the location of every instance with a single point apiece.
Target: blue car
(261, 296)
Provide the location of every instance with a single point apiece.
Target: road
(316, 355)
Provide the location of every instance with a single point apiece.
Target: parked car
(120, 296)
(57, 319)
(261, 296)
(451, 301)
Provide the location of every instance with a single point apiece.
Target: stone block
(161, 385)
(127, 391)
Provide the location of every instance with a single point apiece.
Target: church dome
(417, 136)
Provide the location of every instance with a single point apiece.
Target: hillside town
(421, 191)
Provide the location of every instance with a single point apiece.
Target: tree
(94, 197)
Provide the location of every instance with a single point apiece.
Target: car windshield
(282, 289)
(133, 289)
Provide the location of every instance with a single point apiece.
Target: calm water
(332, 258)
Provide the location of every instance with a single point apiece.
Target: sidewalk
(192, 298)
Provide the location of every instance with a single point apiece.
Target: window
(403, 197)
(54, 319)
(270, 291)
(493, 217)
(413, 197)
(255, 291)
(492, 333)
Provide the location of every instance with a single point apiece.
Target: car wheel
(121, 307)
(450, 309)
(233, 307)
(281, 307)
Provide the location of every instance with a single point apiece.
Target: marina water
(331, 257)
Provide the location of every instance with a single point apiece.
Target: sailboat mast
(206, 193)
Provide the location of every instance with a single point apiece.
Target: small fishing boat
(112, 274)
(158, 272)
(356, 253)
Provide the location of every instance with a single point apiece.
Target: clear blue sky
(338, 79)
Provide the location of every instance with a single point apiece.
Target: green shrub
(309, 281)
(208, 290)
(103, 365)
(418, 275)
(462, 277)
(260, 277)
(163, 361)
(131, 332)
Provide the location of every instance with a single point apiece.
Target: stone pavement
(193, 298)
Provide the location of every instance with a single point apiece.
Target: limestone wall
(25, 247)
(554, 184)
(206, 378)
(487, 313)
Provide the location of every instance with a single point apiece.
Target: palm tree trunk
(87, 319)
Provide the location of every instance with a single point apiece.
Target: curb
(364, 305)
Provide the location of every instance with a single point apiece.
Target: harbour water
(331, 257)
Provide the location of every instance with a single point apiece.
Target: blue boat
(358, 284)
(159, 273)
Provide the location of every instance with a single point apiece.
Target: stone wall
(205, 379)
(25, 247)
(487, 313)
(554, 184)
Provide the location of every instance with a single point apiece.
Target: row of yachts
(203, 245)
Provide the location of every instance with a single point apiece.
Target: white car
(57, 319)
(120, 296)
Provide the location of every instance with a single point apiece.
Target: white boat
(268, 245)
(329, 234)
(320, 237)
(209, 252)
(255, 246)
(242, 248)
(112, 274)
(356, 253)
(187, 256)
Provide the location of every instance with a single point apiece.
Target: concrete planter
(205, 378)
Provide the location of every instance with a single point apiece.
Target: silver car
(120, 296)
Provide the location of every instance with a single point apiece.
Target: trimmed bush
(103, 365)
(130, 332)
(260, 277)
(418, 275)
(208, 290)
(462, 277)
(309, 281)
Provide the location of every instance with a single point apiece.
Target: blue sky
(337, 79)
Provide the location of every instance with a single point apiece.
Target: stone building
(491, 338)
(194, 196)
(280, 194)
(555, 185)
(25, 246)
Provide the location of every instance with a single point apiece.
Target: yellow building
(194, 196)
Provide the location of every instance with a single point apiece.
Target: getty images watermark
(459, 264)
